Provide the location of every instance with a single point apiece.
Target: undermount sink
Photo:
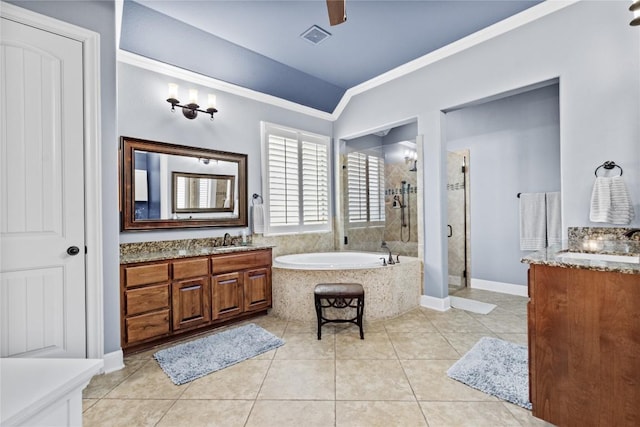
(633, 259)
(228, 248)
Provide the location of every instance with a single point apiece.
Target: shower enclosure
(380, 193)
(458, 218)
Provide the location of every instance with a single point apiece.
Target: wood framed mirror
(173, 186)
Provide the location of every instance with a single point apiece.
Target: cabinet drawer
(146, 274)
(236, 262)
(146, 326)
(145, 299)
(190, 268)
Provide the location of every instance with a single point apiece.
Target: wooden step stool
(339, 295)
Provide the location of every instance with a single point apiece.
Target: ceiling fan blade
(337, 11)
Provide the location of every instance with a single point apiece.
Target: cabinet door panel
(257, 289)
(227, 295)
(191, 303)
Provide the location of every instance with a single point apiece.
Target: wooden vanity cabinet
(145, 302)
(190, 293)
(166, 298)
(584, 346)
(241, 283)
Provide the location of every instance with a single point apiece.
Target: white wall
(593, 51)
(514, 147)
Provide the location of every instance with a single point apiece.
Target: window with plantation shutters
(296, 180)
(365, 189)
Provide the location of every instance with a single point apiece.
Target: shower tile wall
(403, 240)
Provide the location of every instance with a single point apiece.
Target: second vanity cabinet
(584, 346)
(162, 299)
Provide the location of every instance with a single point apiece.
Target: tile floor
(394, 377)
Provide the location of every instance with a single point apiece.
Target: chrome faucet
(631, 232)
(224, 239)
(384, 246)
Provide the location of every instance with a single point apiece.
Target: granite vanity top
(154, 253)
(553, 256)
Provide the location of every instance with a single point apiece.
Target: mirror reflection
(202, 193)
(170, 186)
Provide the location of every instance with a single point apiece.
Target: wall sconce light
(191, 109)
(411, 158)
(635, 8)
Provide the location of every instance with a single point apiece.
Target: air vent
(315, 34)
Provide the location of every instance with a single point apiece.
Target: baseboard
(504, 288)
(439, 304)
(113, 361)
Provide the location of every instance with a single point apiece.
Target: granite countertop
(153, 253)
(553, 256)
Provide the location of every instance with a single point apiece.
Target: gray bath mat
(189, 361)
(496, 367)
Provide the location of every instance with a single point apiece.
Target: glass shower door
(457, 219)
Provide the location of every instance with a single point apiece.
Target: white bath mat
(471, 305)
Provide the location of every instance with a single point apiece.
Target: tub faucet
(384, 246)
(631, 232)
(224, 239)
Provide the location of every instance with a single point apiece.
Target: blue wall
(514, 146)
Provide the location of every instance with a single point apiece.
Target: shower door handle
(450, 231)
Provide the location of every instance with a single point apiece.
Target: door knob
(73, 250)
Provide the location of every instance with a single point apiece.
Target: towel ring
(608, 165)
(255, 197)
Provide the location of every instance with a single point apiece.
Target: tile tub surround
(389, 291)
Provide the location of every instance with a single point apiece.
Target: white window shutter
(296, 181)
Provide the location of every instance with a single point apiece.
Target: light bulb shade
(211, 101)
(193, 96)
(173, 91)
(635, 8)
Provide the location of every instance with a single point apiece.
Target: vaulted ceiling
(257, 44)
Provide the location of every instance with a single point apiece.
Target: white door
(42, 284)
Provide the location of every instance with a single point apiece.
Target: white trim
(113, 361)
(439, 304)
(92, 164)
(527, 16)
(179, 73)
(501, 287)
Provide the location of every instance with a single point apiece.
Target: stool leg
(360, 315)
(319, 316)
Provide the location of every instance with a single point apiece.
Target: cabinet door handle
(73, 250)
(450, 230)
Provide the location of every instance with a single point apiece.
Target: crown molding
(525, 17)
(140, 61)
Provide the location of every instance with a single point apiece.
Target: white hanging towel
(554, 218)
(533, 221)
(610, 201)
(258, 218)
